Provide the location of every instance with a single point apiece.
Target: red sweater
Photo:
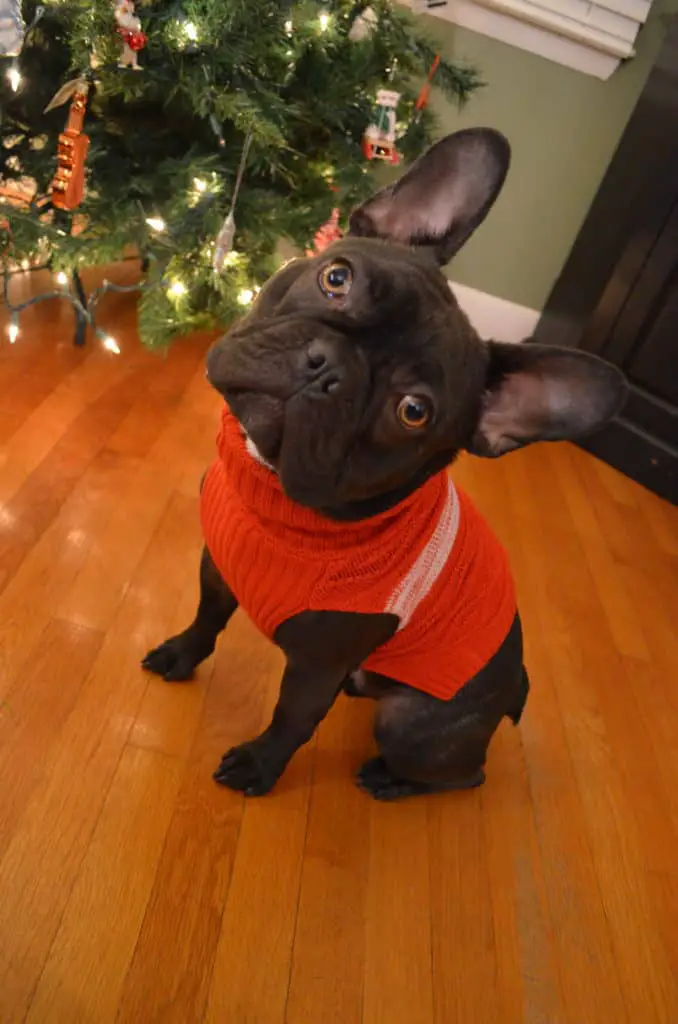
(432, 561)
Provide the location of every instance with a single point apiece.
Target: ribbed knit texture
(280, 559)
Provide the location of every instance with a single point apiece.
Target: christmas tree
(243, 123)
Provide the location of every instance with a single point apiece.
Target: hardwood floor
(134, 889)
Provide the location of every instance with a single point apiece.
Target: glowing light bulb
(156, 223)
(324, 21)
(13, 329)
(245, 296)
(199, 185)
(191, 31)
(110, 344)
(62, 278)
(177, 288)
(14, 77)
(25, 264)
(289, 27)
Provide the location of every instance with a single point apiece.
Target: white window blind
(592, 37)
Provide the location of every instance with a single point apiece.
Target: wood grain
(85, 971)
(133, 889)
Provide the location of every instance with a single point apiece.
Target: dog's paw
(244, 770)
(377, 779)
(174, 660)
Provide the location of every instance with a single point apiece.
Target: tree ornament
(68, 185)
(364, 25)
(12, 28)
(379, 140)
(224, 241)
(325, 235)
(425, 93)
(129, 30)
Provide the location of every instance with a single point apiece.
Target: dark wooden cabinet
(617, 294)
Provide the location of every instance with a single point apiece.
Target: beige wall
(563, 127)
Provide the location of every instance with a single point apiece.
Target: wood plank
(115, 549)
(253, 958)
(38, 500)
(101, 922)
(29, 377)
(183, 922)
(169, 714)
(464, 955)
(55, 416)
(150, 414)
(42, 862)
(580, 931)
(31, 597)
(600, 729)
(398, 956)
(327, 973)
(33, 714)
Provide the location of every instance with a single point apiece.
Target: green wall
(563, 127)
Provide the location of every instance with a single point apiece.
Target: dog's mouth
(262, 421)
(256, 454)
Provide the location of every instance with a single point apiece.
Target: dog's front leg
(322, 648)
(306, 695)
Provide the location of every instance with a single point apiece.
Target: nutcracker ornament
(68, 186)
(379, 140)
(129, 30)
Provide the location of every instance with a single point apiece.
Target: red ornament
(325, 235)
(68, 185)
(135, 40)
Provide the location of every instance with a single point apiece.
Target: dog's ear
(538, 393)
(443, 197)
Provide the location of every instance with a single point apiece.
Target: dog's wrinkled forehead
(389, 284)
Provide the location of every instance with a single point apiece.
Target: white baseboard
(493, 317)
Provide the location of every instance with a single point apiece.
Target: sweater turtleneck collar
(260, 490)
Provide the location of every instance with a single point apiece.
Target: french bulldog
(329, 515)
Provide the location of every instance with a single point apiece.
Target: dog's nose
(326, 374)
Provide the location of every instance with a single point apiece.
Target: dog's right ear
(443, 197)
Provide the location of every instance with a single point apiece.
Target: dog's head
(356, 376)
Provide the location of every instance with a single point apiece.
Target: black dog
(352, 384)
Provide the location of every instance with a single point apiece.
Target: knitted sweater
(432, 561)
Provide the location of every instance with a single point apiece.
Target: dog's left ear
(443, 197)
(538, 393)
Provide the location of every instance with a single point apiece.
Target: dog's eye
(413, 412)
(336, 279)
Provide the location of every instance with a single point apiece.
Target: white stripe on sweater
(418, 582)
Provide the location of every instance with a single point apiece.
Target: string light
(108, 342)
(324, 21)
(199, 185)
(62, 278)
(25, 264)
(191, 31)
(245, 296)
(289, 27)
(156, 223)
(177, 288)
(13, 328)
(13, 77)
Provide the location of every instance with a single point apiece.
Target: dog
(329, 515)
